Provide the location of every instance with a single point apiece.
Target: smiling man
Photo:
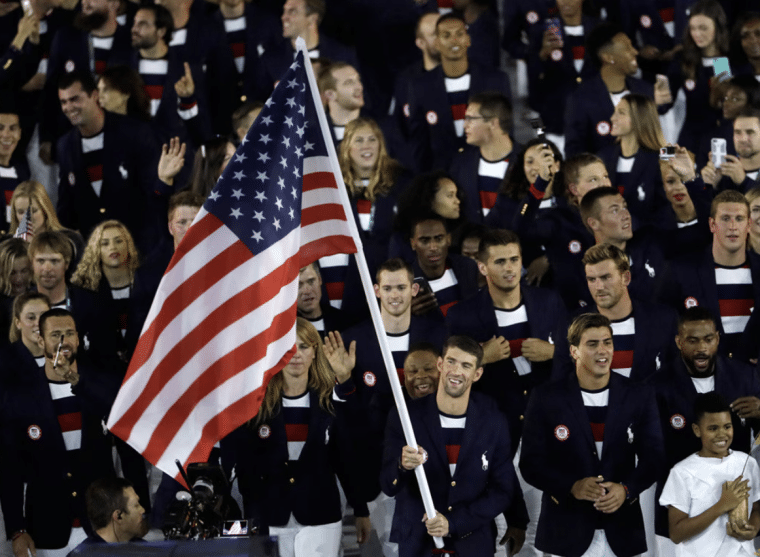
(438, 98)
(592, 444)
(724, 278)
(698, 367)
(463, 444)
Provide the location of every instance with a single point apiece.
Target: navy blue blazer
(587, 118)
(274, 487)
(558, 449)
(676, 394)
(431, 124)
(480, 489)
(654, 344)
(691, 281)
(55, 485)
(476, 318)
(642, 188)
(130, 162)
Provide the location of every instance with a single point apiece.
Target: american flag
(25, 229)
(223, 319)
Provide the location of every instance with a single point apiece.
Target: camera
(667, 153)
(205, 511)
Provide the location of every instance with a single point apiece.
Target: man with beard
(95, 42)
(517, 326)
(739, 172)
(53, 441)
(699, 368)
(176, 107)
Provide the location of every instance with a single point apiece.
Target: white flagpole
(390, 367)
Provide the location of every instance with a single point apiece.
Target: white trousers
(297, 540)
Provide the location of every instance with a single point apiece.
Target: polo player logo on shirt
(531, 17)
(484, 460)
(630, 434)
(406, 110)
(657, 362)
(646, 21)
(123, 172)
(641, 193)
(690, 302)
(603, 128)
(562, 432)
(369, 379)
(265, 431)
(557, 55)
(677, 421)
(689, 84)
(34, 432)
(327, 436)
(431, 117)
(649, 268)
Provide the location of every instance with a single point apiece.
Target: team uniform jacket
(33, 452)
(587, 120)
(676, 394)
(273, 487)
(431, 124)
(480, 489)
(553, 81)
(643, 193)
(691, 281)
(130, 158)
(476, 318)
(558, 449)
(653, 345)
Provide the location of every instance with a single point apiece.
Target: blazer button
(453, 484)
(73, 493)
(578, 79)
(102, 209)
(522, 417)
(395, 482)
(450, 509)
(525, 392)
(292, 480)
(68, 474)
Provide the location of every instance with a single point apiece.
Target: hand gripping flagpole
(385, 349)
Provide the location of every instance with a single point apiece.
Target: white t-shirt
(694, 485)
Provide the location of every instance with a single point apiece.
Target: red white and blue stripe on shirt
(596, 403)
(458, 92)
(333, 269)
(92, 156)
(624, 338)
(452, 428)
(513, 326)
(446, 290)
(490, 176)
(66, 407)
(235, 29)
(295, 410)
(735, 297)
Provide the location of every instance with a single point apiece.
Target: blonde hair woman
(374, 181)
(110, 252)
(31, 195)
(287, 457)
